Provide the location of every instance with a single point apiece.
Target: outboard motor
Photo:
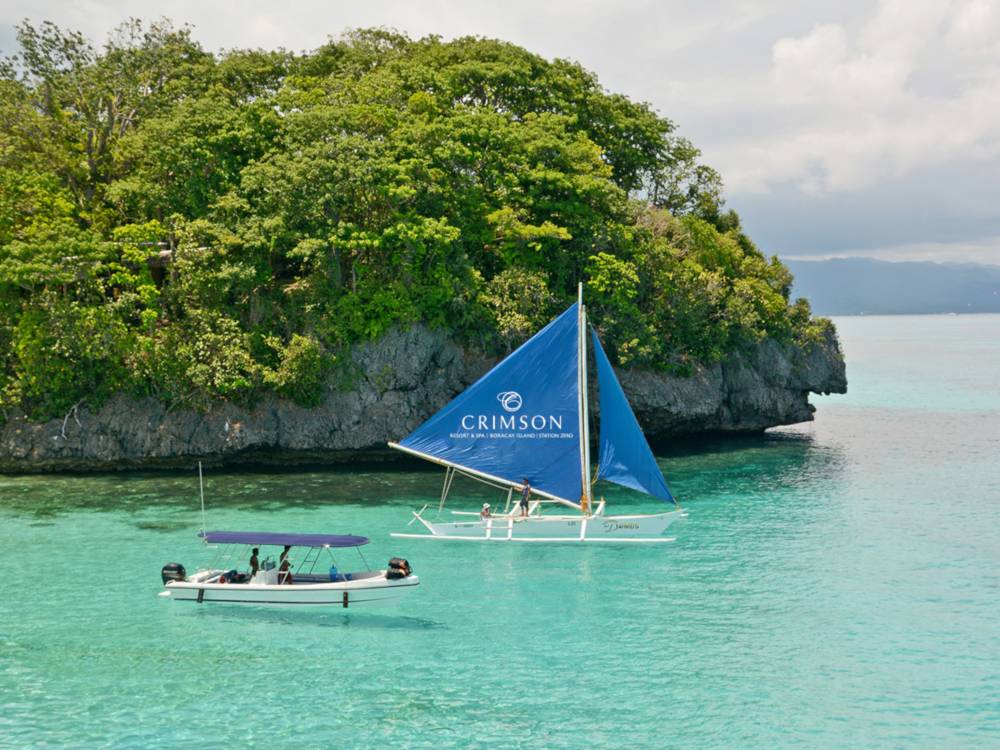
(398, 568)
(173, 572)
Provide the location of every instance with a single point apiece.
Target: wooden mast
(586, 497)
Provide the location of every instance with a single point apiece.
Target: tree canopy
(199, 226)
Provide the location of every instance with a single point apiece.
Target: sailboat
(524, 427)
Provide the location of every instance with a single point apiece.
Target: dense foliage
(196, 226)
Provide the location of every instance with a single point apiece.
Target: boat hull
(576, 528)
(342, 595)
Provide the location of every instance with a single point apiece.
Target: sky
(840, 129)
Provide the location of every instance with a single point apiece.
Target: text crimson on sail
(537, 422)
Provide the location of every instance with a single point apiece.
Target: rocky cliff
(398, 382)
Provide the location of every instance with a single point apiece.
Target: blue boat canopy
(280, 539)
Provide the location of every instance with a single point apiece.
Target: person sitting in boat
(284, 569)
(254, 562)
(525, 495)
(485, 512)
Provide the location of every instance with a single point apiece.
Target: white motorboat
(524, 426)
(307, 582)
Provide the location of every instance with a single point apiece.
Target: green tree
(198, 226)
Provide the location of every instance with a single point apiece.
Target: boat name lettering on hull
(616, 525)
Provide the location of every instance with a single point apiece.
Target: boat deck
(313, 578)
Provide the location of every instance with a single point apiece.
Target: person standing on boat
(284, 569)
(254, 562)
(525, 495)
(485, 512)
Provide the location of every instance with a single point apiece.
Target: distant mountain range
(862, 286)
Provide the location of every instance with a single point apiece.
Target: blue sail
(625, 457)
(521, 419)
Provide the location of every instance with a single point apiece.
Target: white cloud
(914, 86)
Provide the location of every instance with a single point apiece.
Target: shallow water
(835, 585)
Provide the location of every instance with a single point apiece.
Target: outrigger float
(275, 583)
(524, 427)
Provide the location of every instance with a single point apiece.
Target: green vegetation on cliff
(195, 226)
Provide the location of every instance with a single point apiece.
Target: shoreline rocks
(401, 380)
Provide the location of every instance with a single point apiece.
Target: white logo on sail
(509, 400)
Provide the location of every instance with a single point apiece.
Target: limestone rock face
(751, 390)
(391, 386)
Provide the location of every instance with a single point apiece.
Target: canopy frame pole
(586, 500)
(311, 559)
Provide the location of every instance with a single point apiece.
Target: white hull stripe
(568, 540)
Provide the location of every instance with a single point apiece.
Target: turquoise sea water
(836, 585)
